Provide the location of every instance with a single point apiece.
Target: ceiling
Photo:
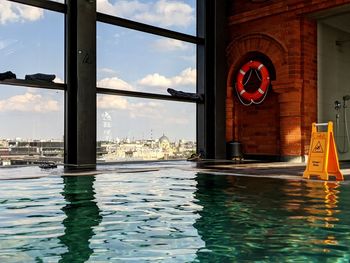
(338, 17)
(341, 22)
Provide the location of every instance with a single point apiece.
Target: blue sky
(32, 40)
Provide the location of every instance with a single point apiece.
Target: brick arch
(256, 42)
(240, 124)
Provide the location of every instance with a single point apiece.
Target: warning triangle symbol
(318, 148)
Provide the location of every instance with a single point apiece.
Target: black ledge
(49, 5)
(122, 22)
(34, 84)
(145, 95)
(61, 86)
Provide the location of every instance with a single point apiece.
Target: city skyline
(32, 41)
(144, 137)
(33, 152)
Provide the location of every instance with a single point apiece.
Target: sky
(32, 41)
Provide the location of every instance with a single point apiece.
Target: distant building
(22, 152)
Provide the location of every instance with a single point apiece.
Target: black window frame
(211, 73)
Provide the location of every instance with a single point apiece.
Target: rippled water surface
(170, 215)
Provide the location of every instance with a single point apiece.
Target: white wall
(333, 78)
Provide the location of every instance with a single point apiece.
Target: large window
(31, 114)
(143, 129)
(31, 111)
(136, 61)
(144, 48)
(31, 40)
(32, 130)
(139, 60)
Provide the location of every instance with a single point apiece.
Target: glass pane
(132, 60)
(177, 15)
(142, 129)
(32, 129)
(31, 40)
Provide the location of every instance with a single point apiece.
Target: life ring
(258, 95)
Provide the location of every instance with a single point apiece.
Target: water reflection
(320, 211)
(322, 202)
(82, 215)
(262, 219)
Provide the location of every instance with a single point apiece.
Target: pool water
(170, 214)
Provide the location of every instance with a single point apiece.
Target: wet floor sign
(323, 158)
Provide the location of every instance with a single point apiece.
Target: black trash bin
(234, 150)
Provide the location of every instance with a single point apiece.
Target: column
(80, 96)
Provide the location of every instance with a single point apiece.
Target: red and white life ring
(258, 95)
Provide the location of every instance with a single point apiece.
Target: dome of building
(164, 139)
(164, 143)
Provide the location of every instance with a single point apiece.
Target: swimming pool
(170, 213)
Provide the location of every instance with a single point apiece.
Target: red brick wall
(263, 136)
(281, 31)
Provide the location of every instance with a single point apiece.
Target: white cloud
(109, 102)
(29, 13)
(121, 7)
(155, 80)
(13, 12)
(29, 102)
(170, 45)
(114, 83)
(107, 70)
(186, 78)
(6, 12)
(162, 12)
(168, 13)
(112, 102)
(58, 80)
(150, 110)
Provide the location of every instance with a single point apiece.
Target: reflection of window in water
(82, 215)
(106, 116)
(107, 125)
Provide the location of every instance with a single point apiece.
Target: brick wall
(283, 32)
(263, 136)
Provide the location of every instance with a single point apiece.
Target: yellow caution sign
(323, 157)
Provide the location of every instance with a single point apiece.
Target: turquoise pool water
(174, 214)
